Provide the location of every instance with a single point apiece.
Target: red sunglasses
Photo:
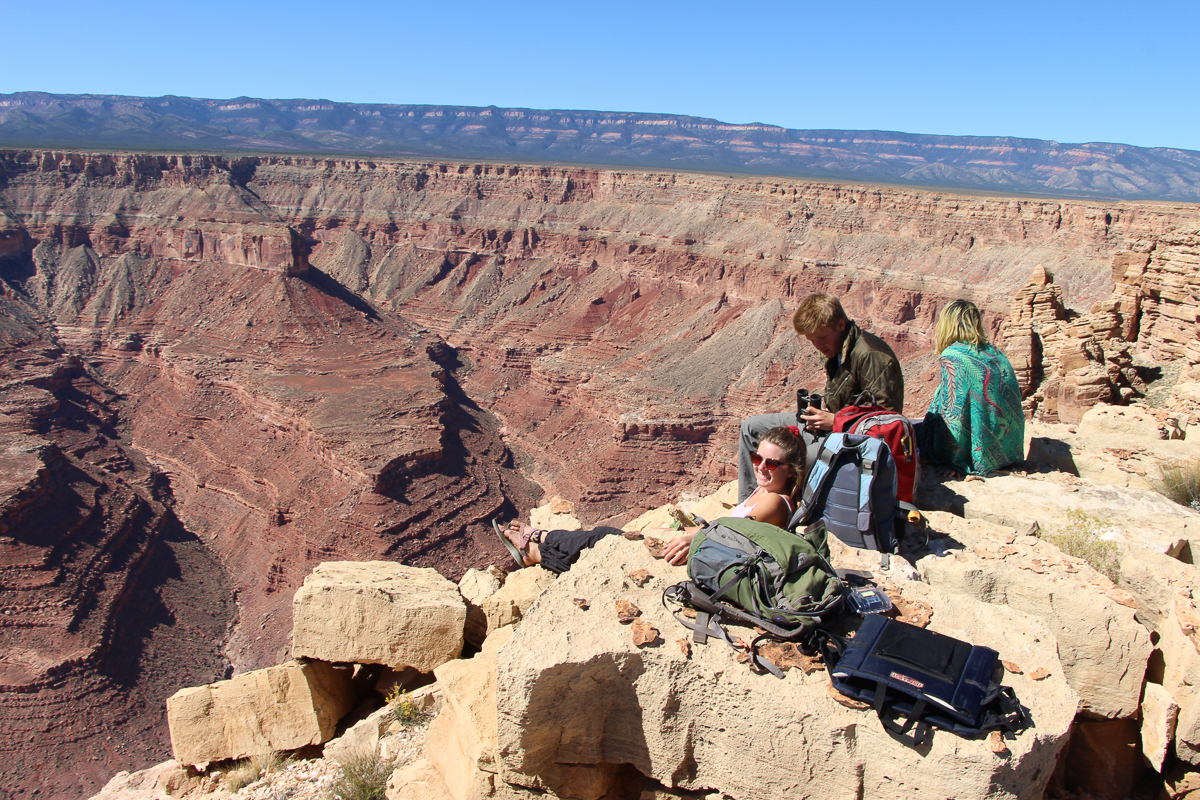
(772, 463)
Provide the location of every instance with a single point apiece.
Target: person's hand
(816, 419)
(676, 551)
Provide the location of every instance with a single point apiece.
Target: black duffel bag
(917, 679)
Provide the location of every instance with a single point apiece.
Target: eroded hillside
(282, 361)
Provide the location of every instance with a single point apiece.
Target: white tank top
(742, 510)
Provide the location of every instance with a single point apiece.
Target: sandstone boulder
(655, 518)
(361, 737)
(548, 519)
(1106, 420)
(370, 735)
(378, 612)
(461, 759)
(1167, 592)
(713, 506)
(275, 709)
(475, 587)
(718, 504)
(509, 603)
(1159, 714)
(582, 710)
(165, 780)
(1136, 516)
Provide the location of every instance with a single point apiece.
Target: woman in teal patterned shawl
(975, 423)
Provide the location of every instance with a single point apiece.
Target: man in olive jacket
(855, 362)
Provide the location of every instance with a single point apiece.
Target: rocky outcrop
(567, 701)
(1058, 359)
(378, 612)
(279, 708)
(583, 711)
(1067, 363)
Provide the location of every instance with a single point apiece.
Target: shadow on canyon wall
(241, 372)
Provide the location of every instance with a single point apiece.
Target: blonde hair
(959, 322)
(817, 311)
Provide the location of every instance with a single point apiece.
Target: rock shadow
(935, 494)
(329, 286)
(1047, 454)
(582, 729)
(17, 268)
(170, 631)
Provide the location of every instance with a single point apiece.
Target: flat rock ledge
(582, 711)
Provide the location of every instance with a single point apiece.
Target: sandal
(512, 549)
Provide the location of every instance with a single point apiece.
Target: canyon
(221, 371)
(621, 139)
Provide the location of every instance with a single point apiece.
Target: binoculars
(804, 400)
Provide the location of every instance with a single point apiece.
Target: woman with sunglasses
(779, 465)
(778, 469)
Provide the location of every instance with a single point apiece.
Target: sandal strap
(533, 535)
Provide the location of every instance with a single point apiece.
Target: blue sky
(1068, 71)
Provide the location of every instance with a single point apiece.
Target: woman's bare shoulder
(772, 508)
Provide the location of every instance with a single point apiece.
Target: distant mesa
(599, 138)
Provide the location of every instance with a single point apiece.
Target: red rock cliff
(307, 357)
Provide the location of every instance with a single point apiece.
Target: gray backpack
(852, 489)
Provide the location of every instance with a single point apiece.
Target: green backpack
(754, 573)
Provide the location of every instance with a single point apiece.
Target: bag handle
(899, 731)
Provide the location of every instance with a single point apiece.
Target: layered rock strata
(309, 351)
(108, 603)
(1068, 362)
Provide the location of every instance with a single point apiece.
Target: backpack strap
(706, 624)
(737, 576)
(760, 664)
(1005, 712)
(816, 477)
(870, 465)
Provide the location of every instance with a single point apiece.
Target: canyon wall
(296, 360)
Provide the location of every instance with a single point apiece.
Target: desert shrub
(1082, 537)
(248, 770)
(241, 774)
(404, 709)
(364, 776)
(1180, 481)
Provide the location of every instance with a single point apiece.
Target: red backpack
(893, 428)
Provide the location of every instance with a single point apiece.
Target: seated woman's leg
(560, 549)
(557, 550)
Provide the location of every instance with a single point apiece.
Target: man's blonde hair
(959, 322)
(818, 311)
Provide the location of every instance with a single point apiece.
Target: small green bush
(404, 709)
(363, 777)
(1180, 481)
(1082, 538)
